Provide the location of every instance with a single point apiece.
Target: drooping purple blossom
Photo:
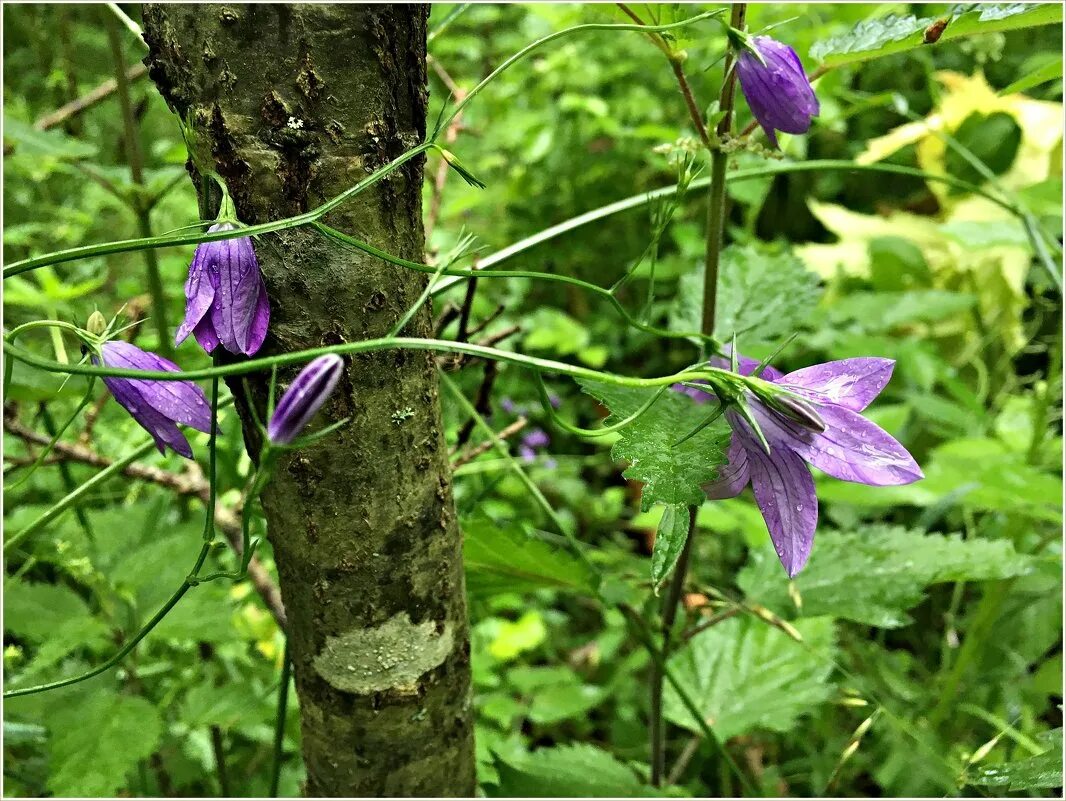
(848, 447)
(778, 92)
(226, 299)
(302, 400)
(158, 406)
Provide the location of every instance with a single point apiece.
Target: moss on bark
(292, 104)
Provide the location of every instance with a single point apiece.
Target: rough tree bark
(292, 104)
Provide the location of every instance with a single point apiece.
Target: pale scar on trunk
(392, 656)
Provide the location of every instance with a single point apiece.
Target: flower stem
(715, 224)
(716, 202)
(279, 721)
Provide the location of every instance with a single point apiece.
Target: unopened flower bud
(800, 411)
(304, 398)
(96, 324)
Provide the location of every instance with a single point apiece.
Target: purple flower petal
(851, 383)
(784, 491)
(851, 448)
(304, 398)
(237, 308)
(732, 477)
(205, 334)
(181, 401)
(199, 294)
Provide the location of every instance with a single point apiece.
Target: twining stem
(138, 200)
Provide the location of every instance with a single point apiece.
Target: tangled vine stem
(369, 345)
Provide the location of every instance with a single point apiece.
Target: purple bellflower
(158, 406)
(533, 442)
(835, 438)
(777, 89)
(226, 300)
(304, 398)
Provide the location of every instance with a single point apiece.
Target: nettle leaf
(671, 475)
(762, 296)
(1036, 773)
(896, 34)
(875, 574)
(95, 742)
(568, 771)
(745, 674)
(670, 539)
(502, 557)
(34, 611)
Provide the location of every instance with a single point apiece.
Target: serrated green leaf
(669, 540)
(34, 611)
(762, 296)
(895, 34)
(224, 706)
(97, 741)
(502, 557)
(874, 575)
(745, 674)
(671, 475)
(1036, 773)
(568, 771)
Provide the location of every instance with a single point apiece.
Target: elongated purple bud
(304, 398)
(798, 411)
(777, 89)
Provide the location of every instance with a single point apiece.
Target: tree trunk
(292, 104)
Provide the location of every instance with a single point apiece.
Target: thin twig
(450, 135)
(487, 445)
(481, 403)
(133, 73)
(135, 158)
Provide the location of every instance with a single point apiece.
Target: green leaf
(568, 771)
(28, 141)
(224, 706)
(34, 611)
(669, 541)
(1048, 72)
(745, 674)
(502, 557)
(671, 475)
(98, 740)
(875, 574)
(895, 34)
(564, 701)
(762, 296)
(1036, 773)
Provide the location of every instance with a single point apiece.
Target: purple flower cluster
(836, 439)
(226, 304)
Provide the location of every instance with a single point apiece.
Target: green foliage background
(929, 617)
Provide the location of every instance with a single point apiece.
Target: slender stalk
(705, 372)
(715, 226)
(716, 201)
(177, 238)
(135, 157)
(219, 750)
(279, 721)
(656, 728)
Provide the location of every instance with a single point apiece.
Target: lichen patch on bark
(392, 657)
